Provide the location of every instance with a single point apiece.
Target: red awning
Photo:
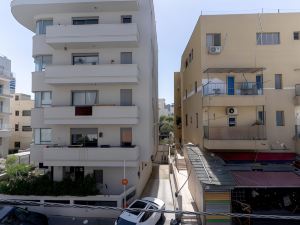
(253, 156)
(255, 179)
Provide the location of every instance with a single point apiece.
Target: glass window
(297, 35)
(85, 20)
(42, 136)
(17, 113)
(280, 118)
(41, 26)
(268, 38)
(43, 99)
(26, 128)
(126, 57)
(86, 59)
(26, 113)
(41, 62)
(85, 137)
(126, 97)
(126, 137)
(81, 98)
(126, 19)
(213, 40)
(278, 81)
(16, 127)
(232, 121)
(261, 117)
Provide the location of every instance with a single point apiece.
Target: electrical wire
(199, 213)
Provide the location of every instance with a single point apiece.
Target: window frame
(40, 136)
(26, 128)
(40, 66)
(126, 62)
(214, 37)
(267, 38)
(280, 115)
(26, 113)
(41, 27)
(85, 97)
(126, 17)
(85, 20)
(85, 55)
(278, 86)
(38, 101)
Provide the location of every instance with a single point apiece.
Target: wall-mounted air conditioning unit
(231, 111)
(215, 50)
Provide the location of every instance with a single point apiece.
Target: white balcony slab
(91, 36)
(92, 74)
(65, 115)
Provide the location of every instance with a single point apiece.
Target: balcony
(236, 138)
(92, 74)
(99, 156)
(63, 115)
(26, 11)
(297, 94)
(4, 93)
(242, 94)
(5, 130)
(91, 36)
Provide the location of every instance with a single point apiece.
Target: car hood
(157, 201)
(36, 219)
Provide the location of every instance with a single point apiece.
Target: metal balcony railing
(256, 132)
(242, 88)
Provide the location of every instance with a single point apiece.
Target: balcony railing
(256, 132)
(243, 88)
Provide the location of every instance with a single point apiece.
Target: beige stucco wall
(239, 49)
(24, 137)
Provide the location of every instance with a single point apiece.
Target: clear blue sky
(176, 17)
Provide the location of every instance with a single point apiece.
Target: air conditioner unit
(231, 111)
(214, 50)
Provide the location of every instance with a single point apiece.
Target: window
(213, 40)
(42, 136)
(26, 128)
(86, 59)
(126, 57)
(85, 20)
(186, 63)
(278, 81)
(18, 145)
(280, 118)
(186, 93)
(1, 88)
(261, 117)
(126, 137)
(26, 113)
(1, 107)
(196, 86)
(197, 120)
(17, 113)
(126, 19)
(81, 98)
(126, 97)
(232, 121)
(41, 26)
(41, 62)
(42, 99)
(16, 127)
(85, 137)
(16, 97)
(297, 35)
(268, 38)
(147, 215)
(186, 120)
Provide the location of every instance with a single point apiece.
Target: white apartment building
(5, 77)
(95, 88)
(20, 120)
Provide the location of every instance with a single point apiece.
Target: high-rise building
(20, 121)
(12, 85)
(5, 76)
(95, 86)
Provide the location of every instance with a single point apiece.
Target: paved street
(77, 221)
(159, 186)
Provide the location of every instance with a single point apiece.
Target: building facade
(239, 90)
(5, 76)
(95, 89)
(238, 95)
(20, 121)
(165, 109)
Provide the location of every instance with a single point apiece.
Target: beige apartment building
(20, 120)
(240, 87)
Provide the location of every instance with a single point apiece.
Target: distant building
(12, 85)
(165, 110)
(20, 120)
(5, 77)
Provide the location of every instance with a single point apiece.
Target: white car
(142, 218)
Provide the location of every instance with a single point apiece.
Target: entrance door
(230, 85)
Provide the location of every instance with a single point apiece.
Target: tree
(166, 128)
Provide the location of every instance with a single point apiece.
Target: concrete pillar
(57, 173)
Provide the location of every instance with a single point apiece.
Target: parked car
(142, 218)
(17, 216)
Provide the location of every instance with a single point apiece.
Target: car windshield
(21, 214)
(124, 222)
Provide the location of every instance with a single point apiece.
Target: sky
(175, 21)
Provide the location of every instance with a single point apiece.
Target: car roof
(156, 201)
(131, 217)
(4, 210)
